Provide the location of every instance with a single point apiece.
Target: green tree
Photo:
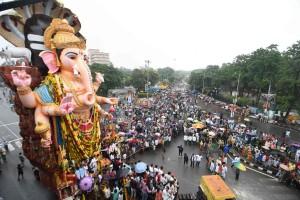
(152, 76)
(112, 77)
(126, 76)
(138, 79)
(166, 74)
(288, 85)
(196, 79)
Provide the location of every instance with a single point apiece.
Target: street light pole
(203, 83)
(147, 62)
(236, 96)
(237, 88)
(268, 96)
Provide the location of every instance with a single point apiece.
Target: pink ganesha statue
(67, 110)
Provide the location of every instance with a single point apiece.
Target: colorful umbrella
(86, 184)
(240, 166)
(284, 167)
(198, 125)
(140, 167)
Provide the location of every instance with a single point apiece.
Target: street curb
(260, 168)
(254, 165)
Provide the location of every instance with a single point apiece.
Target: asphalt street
(10, 187)
(28, 188)
(251, 185)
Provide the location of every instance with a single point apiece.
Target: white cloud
(185, 34)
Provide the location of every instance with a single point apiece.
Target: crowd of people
(140, 126)
(171, 114)
(265, 150)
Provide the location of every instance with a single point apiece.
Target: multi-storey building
(95, 56)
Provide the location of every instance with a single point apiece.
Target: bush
(143, 95)
(225, 98)
(242, 101)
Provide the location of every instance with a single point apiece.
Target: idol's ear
(49, 59)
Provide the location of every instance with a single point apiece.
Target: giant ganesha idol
(67, 110)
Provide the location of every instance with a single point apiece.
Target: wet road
(28, 188)
(10, 187)
(251, 186)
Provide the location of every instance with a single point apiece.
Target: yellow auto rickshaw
(214, 188)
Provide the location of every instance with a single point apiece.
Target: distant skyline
(185, 35)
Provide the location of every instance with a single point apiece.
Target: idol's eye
(72, 55)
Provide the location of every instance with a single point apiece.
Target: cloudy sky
(185, 34)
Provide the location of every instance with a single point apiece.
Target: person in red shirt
(158, 195)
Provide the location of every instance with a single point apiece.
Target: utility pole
(236, 95)
(237, 88)
(147, 63)
(268, 97)
(203, 83)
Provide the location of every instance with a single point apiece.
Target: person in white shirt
(93, 165)
(155, 169)
(212, 166)
(151, 170)
(197, 137)
(224, 171)
(161, 170)
(163, 179)
(166, 195)
(185, 138)
(198, 160)
(99, 178)
(124, 157)
(112, 157)
(297, 155)
(194, 138)
(287, 133)
(169, 177)
(107, 192)
(236, 159)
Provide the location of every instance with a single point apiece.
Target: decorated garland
(80, 139)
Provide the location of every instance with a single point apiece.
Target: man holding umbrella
(238, 167)
(237, 174)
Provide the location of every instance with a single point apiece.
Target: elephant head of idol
(68, 60)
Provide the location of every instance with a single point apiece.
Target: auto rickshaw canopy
(214, 187)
